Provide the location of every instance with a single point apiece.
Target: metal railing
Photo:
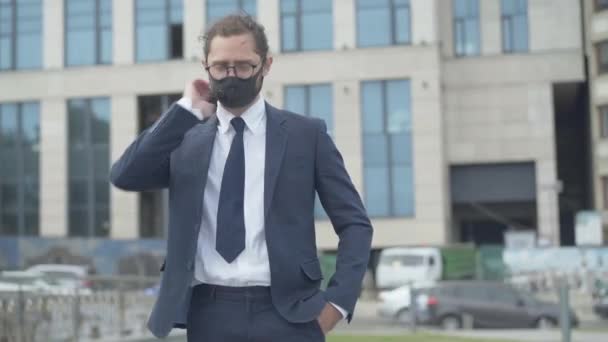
(112, 307)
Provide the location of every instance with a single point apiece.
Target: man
(241, 259)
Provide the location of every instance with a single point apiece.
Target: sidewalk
(528, 335)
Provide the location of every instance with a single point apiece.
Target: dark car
(453, 305)
(600, 307)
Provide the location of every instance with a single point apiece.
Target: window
(603, 111)
(502, 295)
(601, 49)
(89, 166)
(306, 25)
(88, 32)
(387, 148)
(514, 25)
(383, 22)
(466, 27)
(153, 205)
(217, 9)
(601, 5)
(605, 191)
(159, 30)
(313, 100)
(19, 168)
(20, 34)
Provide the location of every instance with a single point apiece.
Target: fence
(113, 307)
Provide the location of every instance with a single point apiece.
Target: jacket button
(190, 265)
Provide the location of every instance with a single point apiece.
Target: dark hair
(233, 25)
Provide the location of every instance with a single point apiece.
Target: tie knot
(238, 124)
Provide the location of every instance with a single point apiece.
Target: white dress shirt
(251, 267)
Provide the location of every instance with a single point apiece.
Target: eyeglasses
(240, 70)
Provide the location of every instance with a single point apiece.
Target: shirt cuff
(342, 311)
(186, 103)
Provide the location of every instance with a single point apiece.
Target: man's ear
(267, 65)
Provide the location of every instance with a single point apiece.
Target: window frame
(392, 7)
(604, 181)
(240, 6)
(14, 35)
(21, 181)
(598, 7)
(601, 68)
(462, 20)
(167, 23)
(510, 17)
(166, 99)
(603, 121)
(320, 214)
(298, 29)
(92, 205)
(98, 29)
(392, 212)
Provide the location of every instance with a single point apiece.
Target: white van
(398, 266)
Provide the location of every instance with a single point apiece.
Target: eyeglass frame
(233, 67)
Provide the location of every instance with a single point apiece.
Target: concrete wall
(597, 30)
(499, 108)
(53, 167)
(464, 111)
(346, 69)
(553, 25)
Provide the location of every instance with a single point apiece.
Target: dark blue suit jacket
(300, 159)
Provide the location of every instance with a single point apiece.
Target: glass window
(605, 191)
(153, 205)
(601, 5)
(312, 100)
(89, 166)
(20, 34)
(306, 25)
(602, 56)
(499, 294)
(383, 22)
(159, 28)
(603, 111)
(217, 9)
(514, 25)
(88, 32)
(19, 168)
(466, 27)
(387, 148)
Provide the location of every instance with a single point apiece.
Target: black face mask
(234, 92)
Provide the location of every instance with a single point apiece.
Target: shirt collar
(252, 116)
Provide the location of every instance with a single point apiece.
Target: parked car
(36, 282)
(395, 304)
(600, 307)
(73, 277)
(399, 266)
(152, 291)
(26, 281)
(452, 305)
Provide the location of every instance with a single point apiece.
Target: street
(367, 322)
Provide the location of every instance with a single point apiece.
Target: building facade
(445, 111)
(596, 33)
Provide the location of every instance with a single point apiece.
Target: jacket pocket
(312, 269)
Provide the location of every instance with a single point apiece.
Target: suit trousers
(242, 314)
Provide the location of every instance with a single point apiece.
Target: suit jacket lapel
(276, 140)
(201, 143)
